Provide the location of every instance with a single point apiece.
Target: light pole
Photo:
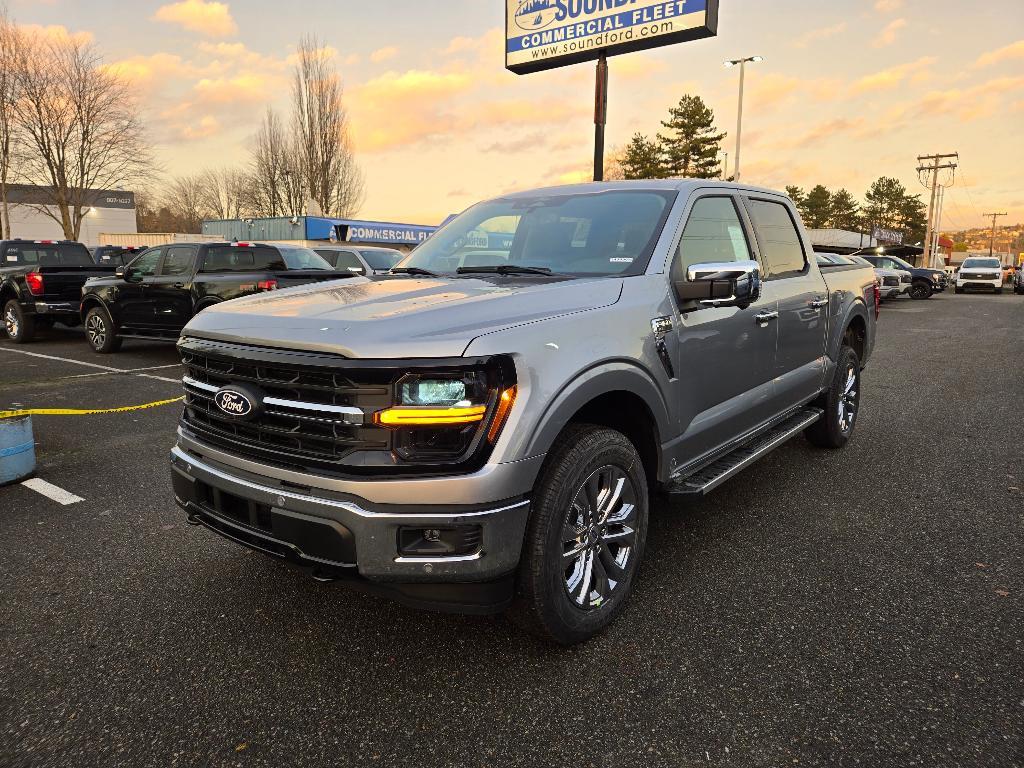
(739, 112)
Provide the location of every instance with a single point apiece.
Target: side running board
(720, 470)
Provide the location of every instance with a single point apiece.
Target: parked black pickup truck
(164, 287)
(925, 281)
(41, 283)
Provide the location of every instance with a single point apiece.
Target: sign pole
(600, 115)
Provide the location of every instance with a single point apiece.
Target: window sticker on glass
(739, 243)
(12, 258)
(621, 260)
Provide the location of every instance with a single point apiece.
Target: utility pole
(992, 240)
(600, 115)
(938, 224)
(934, 165)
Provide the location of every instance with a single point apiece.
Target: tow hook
(193, 519)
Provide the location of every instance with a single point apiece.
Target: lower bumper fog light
(439, 542)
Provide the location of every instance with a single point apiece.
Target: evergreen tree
(818, 208)
(913, 219)
(884, 203)
(692, 144)
(844, 211)
(796, 194)
(642, 159)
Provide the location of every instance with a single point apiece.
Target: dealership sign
(888, 236)
(544, 34)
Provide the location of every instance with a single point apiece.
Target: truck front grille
(310, 415)
(890, 280)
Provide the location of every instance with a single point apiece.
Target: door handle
(179, 285)
(764, 317)
(819, 303)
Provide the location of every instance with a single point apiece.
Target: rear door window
(779, 239)
(233, 258)
(47, 254)
(349, 262)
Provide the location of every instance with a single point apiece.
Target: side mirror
(120, 272)
(721, 284)
(130, 275)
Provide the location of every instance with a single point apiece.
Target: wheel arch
(619, 396)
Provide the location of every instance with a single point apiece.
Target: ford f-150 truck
(41, 283)
(483, 429)
(163, 287)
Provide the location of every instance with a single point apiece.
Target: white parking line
(51, 491)
(105, 368)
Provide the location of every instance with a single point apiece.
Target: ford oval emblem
(233, 403)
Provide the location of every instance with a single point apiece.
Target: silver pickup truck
(483, 428)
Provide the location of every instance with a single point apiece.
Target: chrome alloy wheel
(96, 329)
(11, 324)
(599, 538)
(848, 400)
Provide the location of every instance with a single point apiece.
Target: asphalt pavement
(859, 607)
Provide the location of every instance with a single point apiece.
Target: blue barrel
(17, 449)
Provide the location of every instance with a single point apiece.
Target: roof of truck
(649, 184)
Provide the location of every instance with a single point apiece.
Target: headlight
(448, 416)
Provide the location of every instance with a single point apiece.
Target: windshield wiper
(413, 271)
(504, 269)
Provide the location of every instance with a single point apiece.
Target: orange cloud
(207, 126)
(824, 33)
(888, 6)
(56, 33)
(383, 54)
(889, 33)
(143, 70)
(888, 79)
(246, 87)
(1006, 53)
(212, 19)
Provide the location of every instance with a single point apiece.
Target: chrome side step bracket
(720, 470)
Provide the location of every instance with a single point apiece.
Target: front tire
(20, 327)
(101, 331)
(920, 290)
(841, 404)
(585, 538)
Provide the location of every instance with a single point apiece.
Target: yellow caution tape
(86, 412)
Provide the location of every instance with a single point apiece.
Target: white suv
(980, 274)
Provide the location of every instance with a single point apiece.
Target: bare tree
(332, 179)
(273, 191)
(222, 192)
(184, 199)
(10, 45)
(81, 127)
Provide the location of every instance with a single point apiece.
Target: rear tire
(20, 327)
(101, 331)
(585, 538)
(841, 404)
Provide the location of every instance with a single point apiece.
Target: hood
(394, 316)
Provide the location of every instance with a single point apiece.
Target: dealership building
(109, 210)
(313, 230)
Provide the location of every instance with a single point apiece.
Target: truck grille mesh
(302, 426)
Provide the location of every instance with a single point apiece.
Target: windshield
(381, 259)
(605, 233)
(902, 264)
(303, 258)
(980, 264)
(47, 254)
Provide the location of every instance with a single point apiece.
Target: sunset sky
(848, 91)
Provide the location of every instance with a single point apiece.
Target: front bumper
(979, 285)
(341, 537)
(892, 291)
